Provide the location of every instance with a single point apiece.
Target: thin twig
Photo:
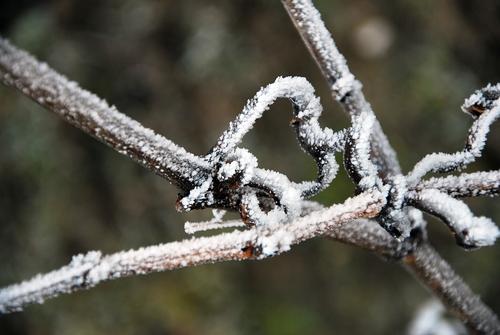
(86, 271)
(344, 87)
(465, 185)
(160, 155)
(347, 91)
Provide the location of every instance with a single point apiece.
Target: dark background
(185, 69)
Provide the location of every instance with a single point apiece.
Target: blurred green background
(185, 69)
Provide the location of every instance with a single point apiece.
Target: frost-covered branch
(262, 195)
(396, 218)
(465, 185)
(94, 116)
(484, 106)
(86, 271)
(274, 209)
(344, 86)
(348, 92)
(439, 278)
(338, 222)
(470, 231)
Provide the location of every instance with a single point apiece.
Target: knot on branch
(264, 197)
(235, 181)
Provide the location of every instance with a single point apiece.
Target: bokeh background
(185, 69)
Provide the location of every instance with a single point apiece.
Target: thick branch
(94, 116)
(158, 154)
(369, 235)
(425, 263)
(435, 274)
(345, 89)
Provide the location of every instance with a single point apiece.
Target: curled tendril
(484, 107)
(236, 181)
(265, 197)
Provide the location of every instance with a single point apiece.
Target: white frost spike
(215, 223)
(484, 105)
(470, 231)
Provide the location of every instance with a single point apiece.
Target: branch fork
(274, 209)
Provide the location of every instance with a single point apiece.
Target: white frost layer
(475, 184)
(443, 162)
(361, 131)
(88, 270)
(470, 231)
(215, 223)
(67, 99)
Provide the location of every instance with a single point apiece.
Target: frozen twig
(269, 203)
(345, 88)
(484, 106)
(470, 231)
(215, 223)
(437, 275)
(395, 218)
(86, 271)
(94, 116)
(348, 92)
(262, 195)
(465, 185)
